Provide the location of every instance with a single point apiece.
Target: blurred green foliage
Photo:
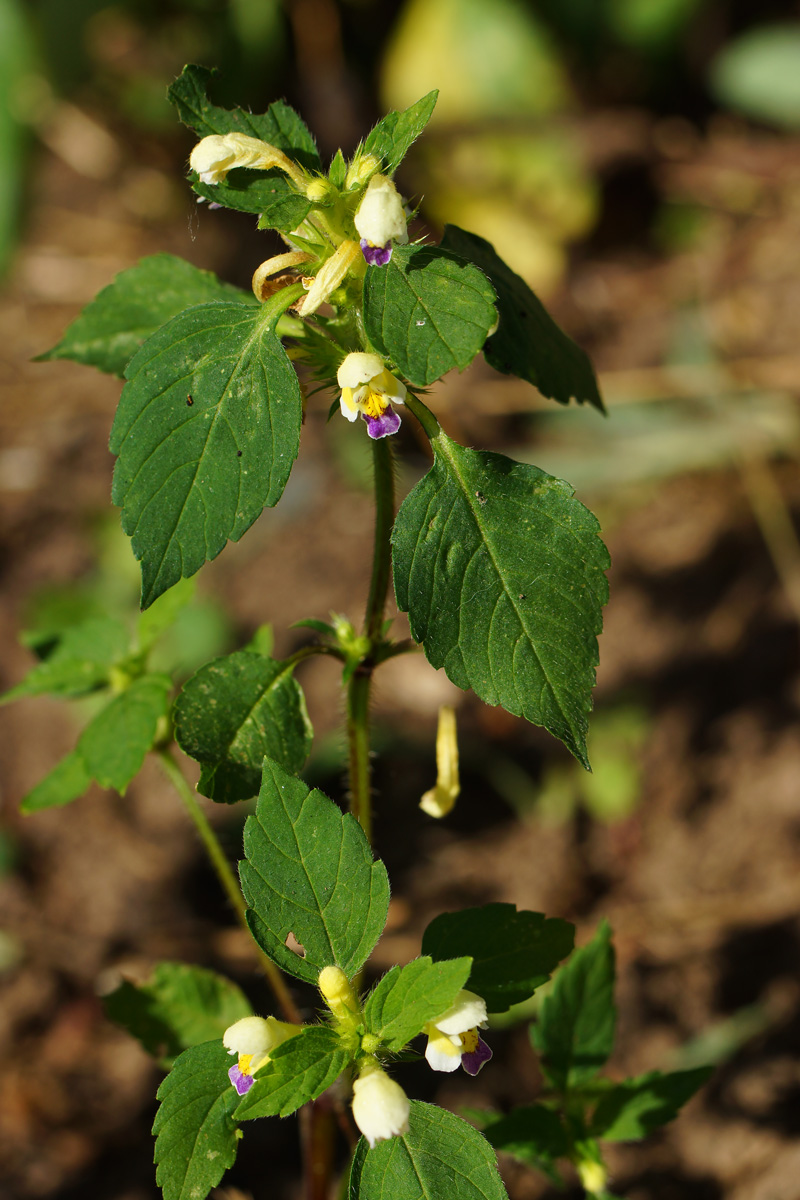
(758, 74)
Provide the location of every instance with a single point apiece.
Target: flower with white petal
(252, 1039)
(380, 1106)
(380, 220)
(370, 389)
(217, 154)
(453, 1038)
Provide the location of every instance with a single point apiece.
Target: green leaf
(114, 743)
(501, 572)
(79, 662)
(163, 612)
(111, 329)
(179, 1006)
(207, 430)
(309, 871)
(758, 73)
(299, 1070)
(265, 192)
(337, 172)
(513, 953)
(235, 711)
(635, 1108)
(427, 311)
(408, 997)
(532, 1134)
(528, 343)
(575, 1032)
(440, 1158)
(196, 1138)
(393, 136)
(67, 781)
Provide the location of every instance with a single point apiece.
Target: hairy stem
(226, 877)
(358, 689)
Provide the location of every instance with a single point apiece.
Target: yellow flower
(216, 155)
(252, 1039)
(369, 389)
(440, 799)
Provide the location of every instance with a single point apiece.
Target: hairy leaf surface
(196, 1137)
(298, 1071)
(309, 871)
(392, 138)
(207, 430)
(235, 711)
(113, 326)
(513, 953)
(408, 997)
(500, 570)
(427, 311)
(440, 1156)
(528, 343)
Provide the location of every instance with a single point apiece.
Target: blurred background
(638, 161)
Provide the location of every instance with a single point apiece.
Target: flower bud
(380, 1106)
(439, 800)
(359, 171)
(380, 218)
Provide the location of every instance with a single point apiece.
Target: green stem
(358, 689)
(225, 876)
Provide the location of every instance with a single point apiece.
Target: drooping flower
(252, 1039)
(380, 220)
(439, 800)
(370, 389)
(328, 277)
(380, 1106)
(214, 156)
(453, 1038)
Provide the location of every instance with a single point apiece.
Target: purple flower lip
(474, 1060)
(376, 256)
(240, 1081)
(379, 427)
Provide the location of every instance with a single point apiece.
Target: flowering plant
(501, 572)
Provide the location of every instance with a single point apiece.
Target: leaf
(79, 662)
(235, 711)
(408, 997)
(513, 953)
(265, 192)
(299, 1070)
(207, 430)
(163, 612)
(427, 311)
(575, 1032)
(501, 572)
(528, 343)
(533, 1134)
(196, 1135)
(114, 743)
(392, 138)
(179, 1006)
(309, 871)
(111, 329)
(440, 1157)
(635, 1108)
(67, 781)
(758, 73)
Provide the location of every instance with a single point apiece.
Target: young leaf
(111, 329)
(501, 572)
(575, 1032)
(163, 612)
(513, 953)
(528, 343)
(427, 311)
(309, 871)
(299, 1070)
(636, 1107)
(179, 1006)
(197, 1137)
(393, 136)
(440, 1157)
(207, 430)
(68, 780)
(79, 662)
(408, 997)
(266, 192)
(533, 1134)
(235, 711)
(114, 743)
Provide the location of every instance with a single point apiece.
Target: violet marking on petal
(378, 427)
(376, 256)
(240, 1081)
(474, 1059)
